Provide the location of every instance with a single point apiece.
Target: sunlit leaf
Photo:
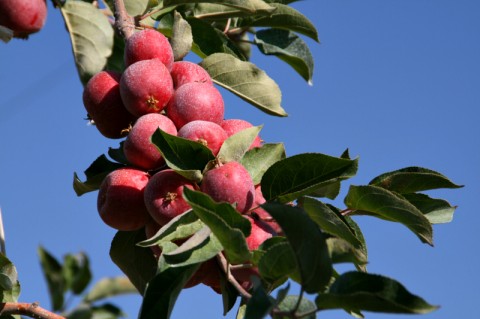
(202, 246)
(437, 211)
(245, 80)
(225, 222)
(235, 147)
(91, 35)
(287, 18)
(186, 157)
(259, 159)
(181, 40)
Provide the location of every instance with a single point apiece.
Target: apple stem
(226, 268)
(124, 23)
(32, 310)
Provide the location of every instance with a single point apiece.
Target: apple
(195, 101)
(186, 72)
(146, 87)
(101, 98)
(207, 133)
(164, 195)
(23, 17)
(148, 44)
(230, 183)
(138, 148)
(120, 199)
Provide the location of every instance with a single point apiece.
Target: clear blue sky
(396, 82)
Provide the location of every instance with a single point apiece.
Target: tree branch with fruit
(202, 199)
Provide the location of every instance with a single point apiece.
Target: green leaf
(245, 5)
(8, 273)
(246, 81)
(278, 261)
(284, 17)
(307, 242)
(259, 159)
(208, 40)
(412, 179)
(137, 263)
(109, 287)
(76, 270)
(11, 296)
(116, 61)
(186, 157)
(91, 35)
(106, 311)
(302, 174)
(210, 11)
(136, 7)
(329, 220)
(95, 174)
(342, 251)
(260, 305)
(225, 222)
(181, 226)
(437, 211)
(229, 294)
(52, 270)
(289, 304)
(182, 39)
(356, 291)
(235, 147)
(377, 201)
(163, 291)
(288, 47)
(117, 154)
(330, 191)
(202, 246)
(6, 34)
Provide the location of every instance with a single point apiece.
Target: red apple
(186, 72)
(164, 195)
(146, 87)
(138, 148)
(23, 17)
(148, 44)
(230, 183)
(195, 101)
(101, 98)
(120, 199)
(207, 133)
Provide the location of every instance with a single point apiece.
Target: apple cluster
(179, 97)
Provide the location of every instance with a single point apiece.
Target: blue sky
(396, 82)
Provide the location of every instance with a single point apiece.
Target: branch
(225, 267)
(124, 23)
(32, 310)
